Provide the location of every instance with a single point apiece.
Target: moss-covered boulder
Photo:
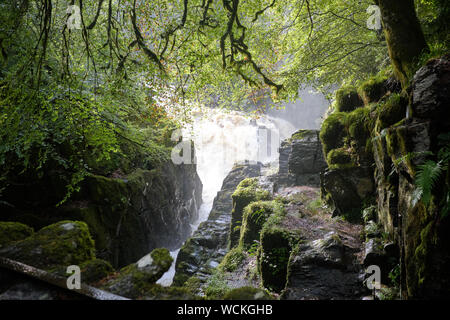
(374, 89)
(254, 218)
(333, 132)
(247, 191)
(133, 280)
(61, 244)
(13, 231)
(349, 190)
(247, 293)
(94, 270)
(347, 99)
(273, 260)
(340, 158)
(276, 243)
(391, 111)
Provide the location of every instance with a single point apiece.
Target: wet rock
(323, 269)
(348, 188)
(301, 159)
(209, 244)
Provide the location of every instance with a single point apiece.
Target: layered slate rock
(425, 232)
(208, 245)
(301, 159)
(322, 269)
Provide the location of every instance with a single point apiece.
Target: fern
(427, 176)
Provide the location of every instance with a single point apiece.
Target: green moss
(276, 245)
(247, 293)
(333, 131)
(391, 111)
(95, 270)
(339, 159)
(254, 217)
(162, 258)
(61, 244)
(274, 258)
(348, 99)
(193, 284)
(302, 134)
(13, 231)
(422, 255)
(247, 191)
(232, 259)
(373, 89)
(157, 292)
(359, 125)
(216, 287)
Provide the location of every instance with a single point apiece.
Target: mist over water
(223, 137)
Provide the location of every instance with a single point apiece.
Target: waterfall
(222, 138)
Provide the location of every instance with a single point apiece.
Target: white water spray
(222, 138)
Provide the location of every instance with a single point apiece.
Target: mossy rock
(339, 159)
(333, 131)
(193, 284)
(347, 99)
(391, 111)
(247, 191)
(157, 292)
(13, 231)
(254, 217)
(302, 134)
(61, 244)
(133, 280)
(247, 293)
(94, 270)
(359, 125)
(232, 260)
(273, 258)
(373, 89)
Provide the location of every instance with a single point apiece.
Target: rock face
(425, 236)
(301, 159)
(322, 269)
(131, 215)
(208, 245)
(348, 188)
(419, 230)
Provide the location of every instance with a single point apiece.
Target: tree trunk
(404, 36)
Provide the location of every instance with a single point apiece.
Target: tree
(404, 36)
